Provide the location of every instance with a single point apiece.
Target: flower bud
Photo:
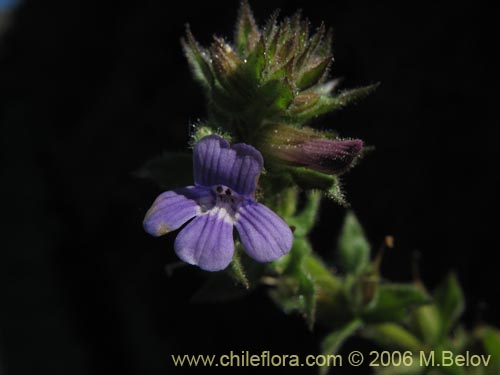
(312, 149)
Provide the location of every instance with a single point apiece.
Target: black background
(91, 90)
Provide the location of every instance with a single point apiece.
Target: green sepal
(327, 104)
(203, 130)
(353, 248)
(237, 269)
(394, 302)
(275, 96)
(170, 170)
(198, 60)
(255, 62)
(308, 179)
(333, 342)
(450, 302)
(247, 33)
(314, 74)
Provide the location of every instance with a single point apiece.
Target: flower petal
(173, 208)
(215, 162)
(264, 235)
(207, 241)
(246, 169)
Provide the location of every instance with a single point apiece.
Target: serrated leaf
(197, 59)
(169, 170)
(450, 303)
(332, 343)
(354, 249)
(394, 302)
(247, 33)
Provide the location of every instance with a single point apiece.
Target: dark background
(91, 90)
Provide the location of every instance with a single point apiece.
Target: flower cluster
(266, 86)
(275, 73)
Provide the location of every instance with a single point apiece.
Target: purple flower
(225, 179)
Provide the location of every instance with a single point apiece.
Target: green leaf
(324, 279)
(291, 264)
(491, 343)
(313, 74)
(335, 192)
(304, 221)
(330, 103)
(428, 322)
(247, 33)
(284, 201)
(255, 62)
(308, 179)
(198, 60)
(296, 290)
(169, 170)
(394, 301)
(393, 336)
(311, 45)
(332, 343)
(307, 292)
(354, 249)
(303, 102)
(450, 303)
(275, 96)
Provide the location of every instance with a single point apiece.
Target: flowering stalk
(263, 90)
